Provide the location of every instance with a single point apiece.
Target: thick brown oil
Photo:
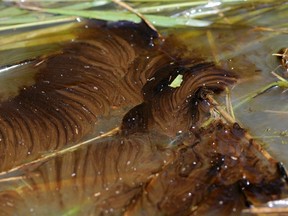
(162, 161)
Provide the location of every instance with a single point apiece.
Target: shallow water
(248, 53)
(158, 158)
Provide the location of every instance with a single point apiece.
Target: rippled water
(158, 160)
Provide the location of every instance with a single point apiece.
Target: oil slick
(148, 167)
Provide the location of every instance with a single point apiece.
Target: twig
(213, 46)
(32, 164)
(142, 17)
(276, 111)
(265, 210)
(220, 110)
(279, 77)
(229, 106)
(284, 59)
(261, 28)
(232, 121)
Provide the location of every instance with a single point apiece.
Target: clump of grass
(15, 14)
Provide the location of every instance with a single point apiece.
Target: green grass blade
(38, 42)
(157, 20)
(11, 11)
(52, 20)
(86, 5)
(51, 35)
(19, 19)
(155, 9)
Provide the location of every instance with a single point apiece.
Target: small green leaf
(177, 81)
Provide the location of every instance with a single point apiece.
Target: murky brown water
(161, 161)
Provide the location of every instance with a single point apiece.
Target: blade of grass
(5, 40)
(11, 11)
(165, 21)
(265, 211)
(19, 19)
(19, 170)
(86, 5)
(49, 1)
(252, 13)
(276, 112)
(234, 19)
(14, 15)
(156, 20)
(72, 211)
(282, 84)
(38, 42)
(129, 8)
(157, 1)
(166, 7)
(223, 1)
(213, 46)
(50, 21)
(229, 106)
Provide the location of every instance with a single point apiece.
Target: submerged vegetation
(23, 14)
(115, 107)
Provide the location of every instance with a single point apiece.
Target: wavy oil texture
(162, 161)
(210, 176)
(178, 109)
(103, 178)
(174, 111)
(71, 90)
